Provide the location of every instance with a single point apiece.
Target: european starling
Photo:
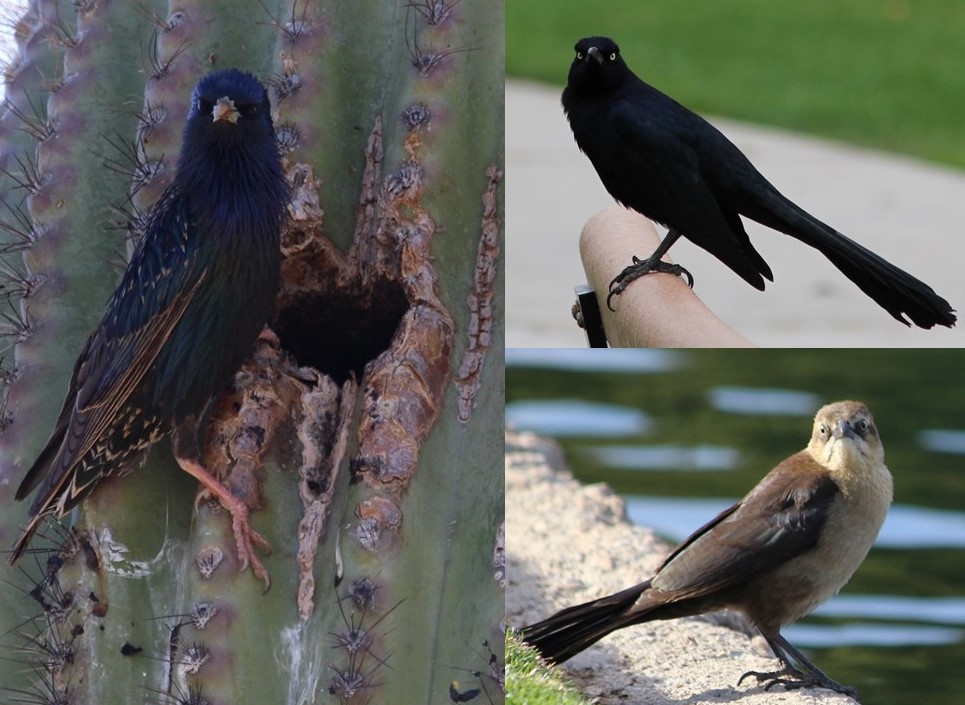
(199, 288)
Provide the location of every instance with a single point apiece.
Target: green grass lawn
(531, 682)
(882, 73)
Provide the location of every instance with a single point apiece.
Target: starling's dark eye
(248, 110)
(579, 55)
(613, 56)
(205, 106)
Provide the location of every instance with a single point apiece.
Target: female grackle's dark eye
(205, 106)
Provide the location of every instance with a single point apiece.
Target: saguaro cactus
(366, 430)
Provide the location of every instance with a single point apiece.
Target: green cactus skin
(391, 126)
(50, 140)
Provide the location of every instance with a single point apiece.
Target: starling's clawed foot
(245, 537)
(792, 679)
(641, 267)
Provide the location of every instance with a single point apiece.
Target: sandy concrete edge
(567, 543)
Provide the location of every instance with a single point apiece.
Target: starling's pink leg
(245, 536)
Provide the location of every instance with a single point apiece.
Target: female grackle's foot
(792, 679)
(641, 267)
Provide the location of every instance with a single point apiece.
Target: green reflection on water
(907, 391)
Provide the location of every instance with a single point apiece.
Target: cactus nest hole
(340, 331)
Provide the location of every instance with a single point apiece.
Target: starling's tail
(570, 631)
(20, 545)
(894, 289)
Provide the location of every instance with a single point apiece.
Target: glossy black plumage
(658, 158)
(198, 290)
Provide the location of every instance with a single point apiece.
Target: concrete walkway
(909, 212)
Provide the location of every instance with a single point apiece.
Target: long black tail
(570, 631)
(894, 289)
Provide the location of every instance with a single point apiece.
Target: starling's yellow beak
(225, 109)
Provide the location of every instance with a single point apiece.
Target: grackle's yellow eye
(579, 55)
(613, 56)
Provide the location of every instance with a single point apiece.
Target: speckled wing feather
(116, 358)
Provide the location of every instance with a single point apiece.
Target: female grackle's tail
(570, 631)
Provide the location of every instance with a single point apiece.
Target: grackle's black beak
(844, 430)
(594, 53)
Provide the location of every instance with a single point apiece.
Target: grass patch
(529, 681)
(880, 73)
